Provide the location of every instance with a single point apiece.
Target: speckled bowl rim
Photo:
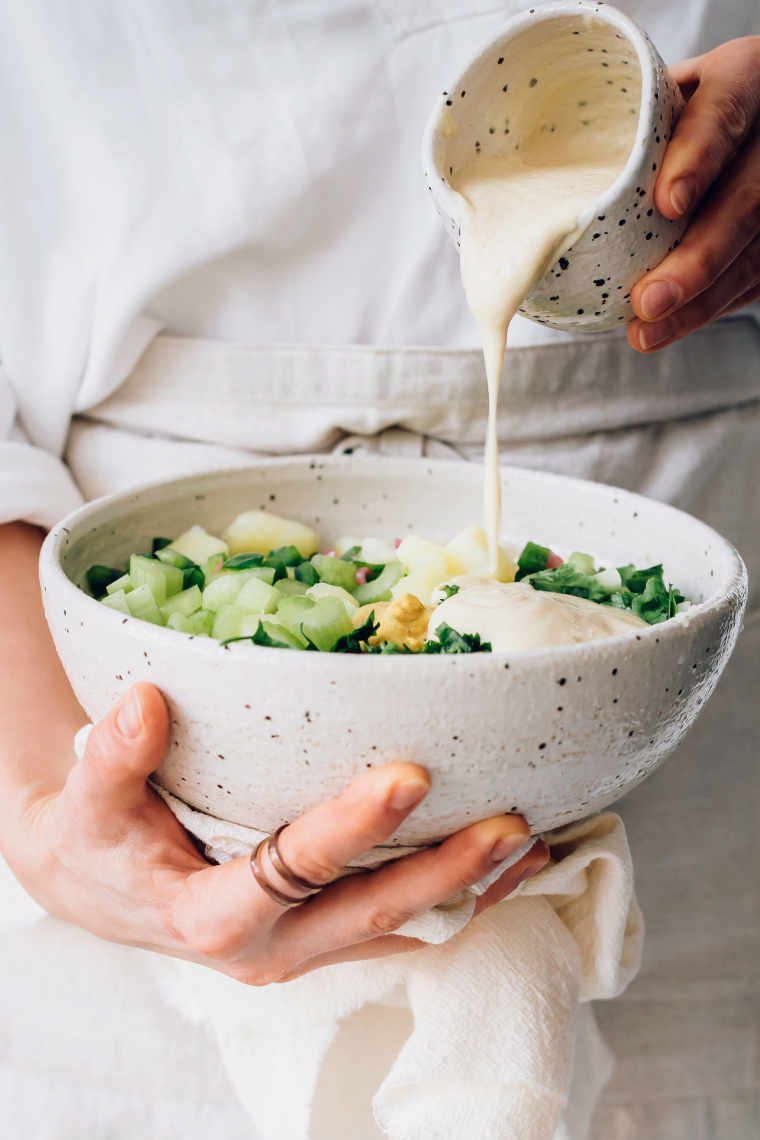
(56, 582)
(451, 201)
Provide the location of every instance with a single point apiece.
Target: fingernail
(652, 335)
(129, 720)
(682, 194)
(406, 793)
(507, 846)
(657, 299)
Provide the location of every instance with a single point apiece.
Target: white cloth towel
(493, 1010)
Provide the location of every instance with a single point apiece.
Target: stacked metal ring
(283, 870)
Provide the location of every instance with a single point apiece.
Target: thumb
(124, 748)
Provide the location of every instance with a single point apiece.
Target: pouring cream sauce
(520, 209)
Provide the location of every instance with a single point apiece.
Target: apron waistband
(293, 398)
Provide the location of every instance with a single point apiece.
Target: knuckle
(464, 879)
(731, 115)
(216, 942)
(384, 920)
(313, 866)
(260, 974)
(704, 264)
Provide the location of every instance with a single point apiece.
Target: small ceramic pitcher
(488, 108)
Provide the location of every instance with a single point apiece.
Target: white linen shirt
(245, 171)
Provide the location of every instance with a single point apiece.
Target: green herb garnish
(357, 641)
(532, 558)
(193, 576)
(99, 578)
(449, 641)
(306, 572)
(243, 561)
(642, 591)
(281, 558)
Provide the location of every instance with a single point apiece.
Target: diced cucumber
(256, 597)
(372, 550)
(117, 601)
(229, 621)
(609, 579)
(325, 590)
(198, 545)
(271, 632)
(213, 566)
(291, 612)
(224, 589)
(202, 622)
(173, 558)
(335, 571)
(263, 573)
(124, 583)
(290, 587)
(142, 604)
(379, 589)
(185, 603)
(582, 562)
(325, 623)
(162, 580)
(199, 624)
(99, 578)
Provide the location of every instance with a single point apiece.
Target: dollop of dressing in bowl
(514, 617)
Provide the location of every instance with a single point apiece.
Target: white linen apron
(685, 428)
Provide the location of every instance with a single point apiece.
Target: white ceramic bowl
(489, 109)
(260, 734)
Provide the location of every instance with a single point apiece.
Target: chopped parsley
(532, 558)
(642, 590)
(449, 641)
(358, 640)
(99, 578)
(243, 561)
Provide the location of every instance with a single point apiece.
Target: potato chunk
(258, 532)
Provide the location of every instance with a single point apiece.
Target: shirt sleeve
(35, 485)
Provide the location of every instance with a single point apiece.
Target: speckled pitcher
(488, 109)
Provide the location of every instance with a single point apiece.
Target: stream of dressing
(520, 209)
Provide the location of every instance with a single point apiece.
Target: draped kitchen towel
(492, 1009)
(493, 1013)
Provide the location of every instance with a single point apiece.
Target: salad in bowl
(265, 580)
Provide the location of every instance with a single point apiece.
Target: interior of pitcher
(567, 87)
